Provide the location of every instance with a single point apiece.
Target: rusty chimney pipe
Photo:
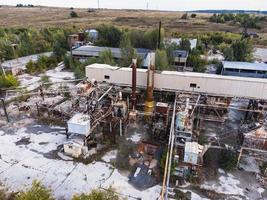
(150, 81)
(134, 66)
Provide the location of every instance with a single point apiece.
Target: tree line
(243, 19)
(31, 41)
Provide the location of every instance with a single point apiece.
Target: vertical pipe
(150, 82)
(134, 83)
(4, 107)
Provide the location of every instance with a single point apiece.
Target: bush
(147, 39)
(184, 16)
(194, 60)
(161, 60)
(193, 15)
(73, 14)
(43, 63)
(108, 35)
(98, 195)
(106, 57)
(8, 81)
(185, 45)
(36, 192)
(242, 50)
(127, 51)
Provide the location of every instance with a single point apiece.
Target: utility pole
(159, 38)
(98, 4)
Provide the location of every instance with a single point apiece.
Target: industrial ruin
(113, 101)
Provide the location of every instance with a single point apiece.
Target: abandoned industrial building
(163, 117)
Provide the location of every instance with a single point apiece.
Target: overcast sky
(152, 4)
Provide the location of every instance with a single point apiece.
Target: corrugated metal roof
(245, 66)
(89, 50)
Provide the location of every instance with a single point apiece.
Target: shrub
(242, 50)
(127, 51)
(108, 35)
(73, 14)
(161, 60)
(106, 57)
(184, 16)
(193, 15)
(8, 81)
(194, 60)
(98, 195)
(43, 63)
(36, 192)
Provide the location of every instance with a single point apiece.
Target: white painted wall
(180, 81)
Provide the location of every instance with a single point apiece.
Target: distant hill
(232, 11)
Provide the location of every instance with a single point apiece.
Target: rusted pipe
(150, 80)
(134, 66)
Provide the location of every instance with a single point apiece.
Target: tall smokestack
(134, 66)
(150, 82)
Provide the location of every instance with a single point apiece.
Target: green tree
(108, 35)
(169, 50)
(185, 45)
(127, 51)
(36, 192)
(228, 53)
(106, 57)
(242, 50)
(98, 195)
(161, 60)
(194, 60)
(151, 38)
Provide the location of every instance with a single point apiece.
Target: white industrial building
(229, 86)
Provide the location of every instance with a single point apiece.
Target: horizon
(197, 10)
(162, 5)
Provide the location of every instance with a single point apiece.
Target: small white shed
(79, 124)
